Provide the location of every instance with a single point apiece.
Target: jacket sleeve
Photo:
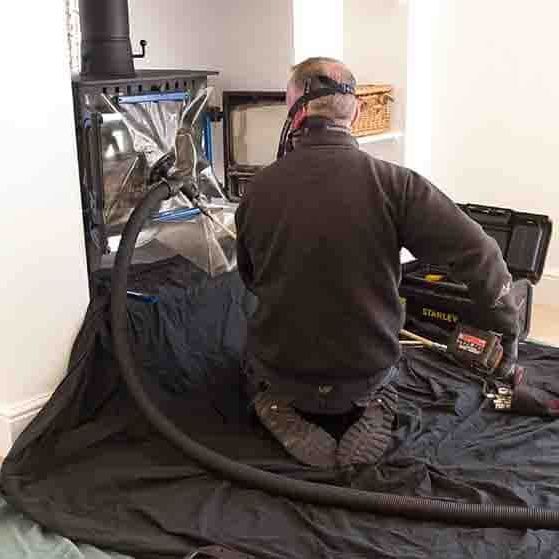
(244, 263)
(436, 230)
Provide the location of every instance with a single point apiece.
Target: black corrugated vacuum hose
(421, 509)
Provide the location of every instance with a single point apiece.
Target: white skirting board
(15, 418)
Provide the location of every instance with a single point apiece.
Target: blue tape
(182, 214)
(208, 140)
(153, 97)
(144, 297)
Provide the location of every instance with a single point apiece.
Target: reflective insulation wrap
(142, 137)
(203, 242)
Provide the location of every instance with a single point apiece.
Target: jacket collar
(318, 130)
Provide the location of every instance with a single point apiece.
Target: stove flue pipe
(106, 51)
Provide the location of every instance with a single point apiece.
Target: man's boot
(367, 439)
(305, 441)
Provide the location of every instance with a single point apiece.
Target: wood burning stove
(125, 120)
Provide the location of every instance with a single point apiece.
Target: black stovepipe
(105, 48)
(414, 508)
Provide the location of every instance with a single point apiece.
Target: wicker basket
(375, 109)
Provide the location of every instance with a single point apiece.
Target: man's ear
(357, 112)
(299, 117)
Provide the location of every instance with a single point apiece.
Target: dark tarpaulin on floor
(90, 468)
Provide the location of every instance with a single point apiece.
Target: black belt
(337, 396)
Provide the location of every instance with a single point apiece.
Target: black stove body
(115, 156)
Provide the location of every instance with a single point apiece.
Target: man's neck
(322, 123)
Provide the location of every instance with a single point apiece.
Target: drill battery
(478, 349)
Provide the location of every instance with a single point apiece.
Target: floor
(545, 324)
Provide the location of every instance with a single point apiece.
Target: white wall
(250, 42)
(419, 90)
(375, 39)
(318, 29)
(258, 44)
(44, 291)
(495, 104)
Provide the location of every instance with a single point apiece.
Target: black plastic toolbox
(432, 296)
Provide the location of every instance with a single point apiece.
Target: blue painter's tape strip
(182, 214)
(208, 140)
(144, 297)
(153, 97)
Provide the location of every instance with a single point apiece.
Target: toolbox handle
(487, 214)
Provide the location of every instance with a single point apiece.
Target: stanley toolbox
(431, 296)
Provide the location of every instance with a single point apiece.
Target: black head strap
(318, 86)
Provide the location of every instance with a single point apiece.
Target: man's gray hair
(339, 107)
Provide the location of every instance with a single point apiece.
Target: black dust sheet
(90, 467)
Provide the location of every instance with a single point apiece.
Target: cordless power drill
(477, 349)
(507, 385)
